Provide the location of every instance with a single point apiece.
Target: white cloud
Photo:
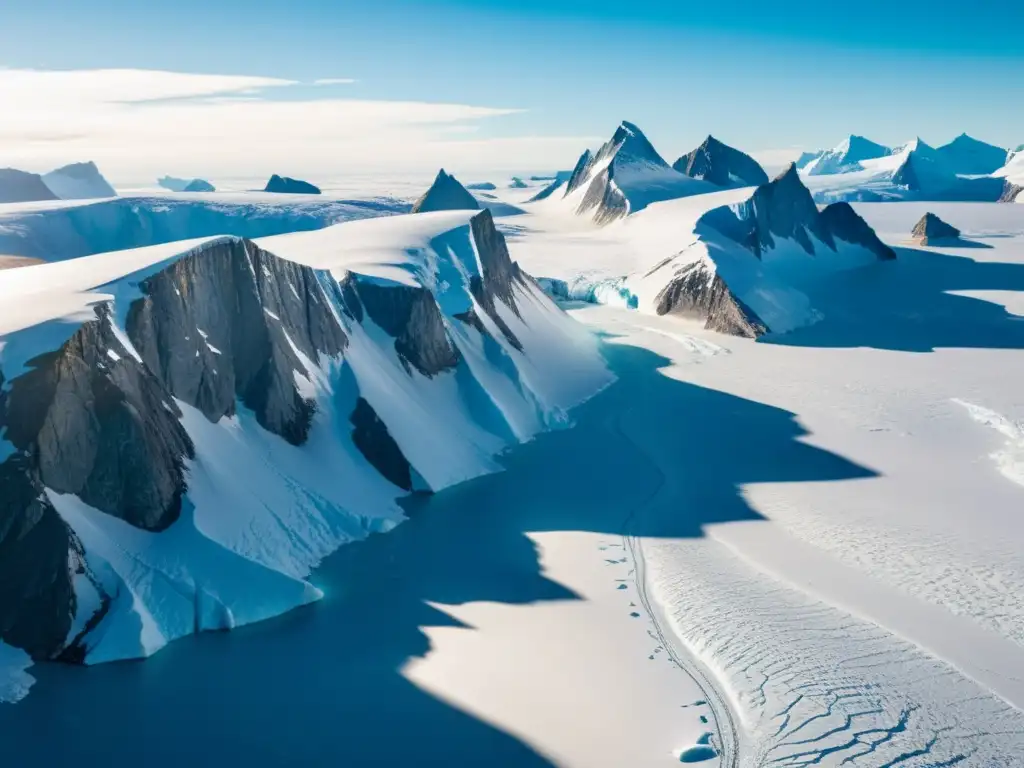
(334, 81)
(139, 124)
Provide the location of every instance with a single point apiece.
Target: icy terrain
(353, 351)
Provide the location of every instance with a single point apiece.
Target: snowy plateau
(638, 464)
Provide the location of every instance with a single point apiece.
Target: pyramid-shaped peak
(931, 228)
(631, 143)
(446, 194)
(722, 165)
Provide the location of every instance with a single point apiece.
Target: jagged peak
(446, 194)
(630, 141)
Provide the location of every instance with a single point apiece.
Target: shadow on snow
(322, 685)
(908, 305)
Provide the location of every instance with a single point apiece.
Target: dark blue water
(321, 685)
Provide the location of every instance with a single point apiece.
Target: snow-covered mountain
(721, 165)
(914, 171)
(846, 157)
(187, 429)
(968, 156)
(625, 176)
(290, 186)
(806, 158)
(743, 274)
(446, 194)
(739, 260)
(78, 181)
(1012, 175)
(20, 186)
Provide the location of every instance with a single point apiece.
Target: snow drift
(187, 429)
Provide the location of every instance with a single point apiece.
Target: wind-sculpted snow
(55, 233)
(816, 686)
(189, 428)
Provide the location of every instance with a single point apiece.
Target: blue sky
(760, 75)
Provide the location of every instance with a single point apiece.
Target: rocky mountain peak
(931, 228)
(446, 194)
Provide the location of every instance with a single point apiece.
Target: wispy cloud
(334, 81)
(137, 123)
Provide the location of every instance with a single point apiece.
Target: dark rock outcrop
(373, 440)
(486, 186)
(697, 293)
(289, 186)
(1011, 192)
(721, 165)
(931, 229)
(199, 185)
(446, 194)
(22, 187)
(784, 208)
(517, 183)
(219, 324)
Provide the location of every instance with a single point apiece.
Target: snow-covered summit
(20, 186)
(722, 165)
(625, 176)
(446, 194)
(846, 156)
(968, 156)
(79, 181)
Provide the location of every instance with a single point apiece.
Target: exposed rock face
(199, 185)
(1011, 192)
(784, 208)
(486, 186)
(22, 187)
(78, 181)
(722, 165)
(410, 315)
(625, 176)
(970, 157)
(517, 183)
(289, 186)
(216, 326)
(446, 194)
(698, 292)
(373, 440)
(931, 229)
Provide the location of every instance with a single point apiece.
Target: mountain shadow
(322, 685)
(911, 305)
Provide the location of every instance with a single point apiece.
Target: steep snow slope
(846, 157)
(915, 171)
(216, 390)
(78, 181)
(968, 156)
(624, 176)
(57, 231)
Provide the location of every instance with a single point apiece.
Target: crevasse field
(648, 542)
